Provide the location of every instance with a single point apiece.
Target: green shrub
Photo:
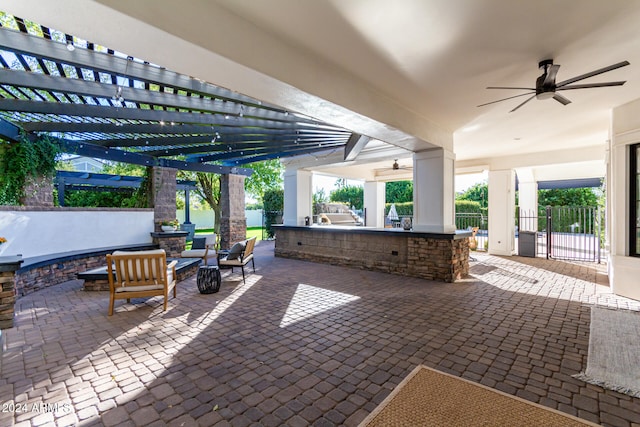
(273, 201)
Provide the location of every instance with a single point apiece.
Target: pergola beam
(151, 115)
(90, 150)
(101, 90)
(354, 146)
(109, 63)
(179, 128)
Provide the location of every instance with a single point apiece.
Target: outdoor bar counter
(432, 256)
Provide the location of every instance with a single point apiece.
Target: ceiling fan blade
(504, 99)
(593, 73)
(528, 99)
(561, 99)
(550, 79)
(511, 87)
(590, 85)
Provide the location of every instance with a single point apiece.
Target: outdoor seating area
(315, 346)
(475, 263)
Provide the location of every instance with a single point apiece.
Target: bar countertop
(458, 234)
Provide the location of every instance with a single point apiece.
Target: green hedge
(273, 202)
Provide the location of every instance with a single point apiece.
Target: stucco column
(163, 191)
(527, 199)
(233, 222)
(298, 194)
(502, 202)
(433, 191)
(374, 199)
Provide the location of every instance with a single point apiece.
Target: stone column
(298, 196)
(38, 191)
(374, 199)
(434, 191)
(502, 202)
(8, 266)
(233, 222)
(163, 190)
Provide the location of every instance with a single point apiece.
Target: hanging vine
(24, 159)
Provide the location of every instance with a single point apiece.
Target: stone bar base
(431, 256)
(173, 243)
(8, 267)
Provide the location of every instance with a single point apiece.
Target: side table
(208, 279)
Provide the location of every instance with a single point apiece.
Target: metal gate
(565, 232)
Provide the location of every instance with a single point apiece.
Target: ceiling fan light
(545, 95)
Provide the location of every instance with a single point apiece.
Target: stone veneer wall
(172, 243)
(38, 191)
(7, 300)
(163, 187)
(233, 222)
(37, 278)
(408, 254)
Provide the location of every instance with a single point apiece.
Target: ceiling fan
(546, 86)
(396, 166)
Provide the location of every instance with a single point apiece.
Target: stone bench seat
(97, 279)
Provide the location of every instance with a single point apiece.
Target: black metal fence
(565, 232)
(478, 222)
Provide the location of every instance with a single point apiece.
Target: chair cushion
(236, 262)
(193, 253)
(199, 243)
(236, 251)
(139, 288)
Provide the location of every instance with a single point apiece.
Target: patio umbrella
(393, 214)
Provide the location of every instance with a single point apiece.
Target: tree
(399, 192)
(478, 193)
(350, 194)
(568, 197)
(208, 188)
(267, 175)
(127, 169)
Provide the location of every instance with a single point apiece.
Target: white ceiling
(436, 57)
(378, 66)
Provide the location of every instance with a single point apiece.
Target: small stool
(208, 279)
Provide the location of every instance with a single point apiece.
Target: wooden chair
(208, 250)
(238, 257)
(140, 274)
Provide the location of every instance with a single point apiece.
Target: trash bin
(527, 244)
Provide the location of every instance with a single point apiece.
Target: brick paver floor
(304, 344)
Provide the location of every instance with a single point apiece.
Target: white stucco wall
(624, 270)
(205, 218)
(41, 232)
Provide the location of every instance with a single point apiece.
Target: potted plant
(2, 240)
(170, 225)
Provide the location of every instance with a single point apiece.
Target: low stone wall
(442, 257)
(53, 274)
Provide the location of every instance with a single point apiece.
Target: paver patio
(305, 344)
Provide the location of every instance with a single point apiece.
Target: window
(634, 205)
